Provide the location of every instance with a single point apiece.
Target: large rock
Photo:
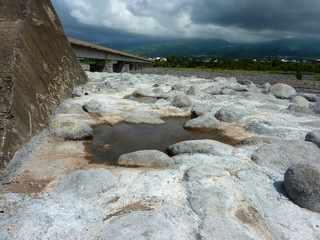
(281, 90)
(37, 69)
(93, 106)
(300, 101)
(150, 92)
(181, 101)
(313, 137)
(145, 158)
(266, 87)
(280, 155)
(206, 121)
(231, 113)
(201, 146)
(302, 184)
(316, 107)
(300, 104)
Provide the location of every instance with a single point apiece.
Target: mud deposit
(110, 142)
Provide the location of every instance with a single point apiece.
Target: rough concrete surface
(37, 70)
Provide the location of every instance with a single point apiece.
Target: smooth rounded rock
(181, 101)
(201, 146)
(231, 113)
(302, 184)
(266, 87)
(313, 137)
(281, 154)
(300, 101)
(300, 104)
(206, 121)
(145, 158)
(152, 92)
(281, 90)
(93, 106)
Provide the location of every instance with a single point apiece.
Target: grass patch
(226, 71)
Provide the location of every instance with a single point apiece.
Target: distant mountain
(180, 48)
(295, 48)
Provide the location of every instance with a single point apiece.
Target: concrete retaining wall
(37, 69)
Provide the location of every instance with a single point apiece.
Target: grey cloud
(235, 20)
(296, 16)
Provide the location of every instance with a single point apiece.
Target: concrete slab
(37, 69)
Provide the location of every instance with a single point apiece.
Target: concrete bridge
(97, 58)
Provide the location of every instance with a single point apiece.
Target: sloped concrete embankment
(37, 70)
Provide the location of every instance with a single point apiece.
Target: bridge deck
(108, 51)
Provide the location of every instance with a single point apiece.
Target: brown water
(142, 99)
(110, 142)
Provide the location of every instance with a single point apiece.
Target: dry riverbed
(143, 156)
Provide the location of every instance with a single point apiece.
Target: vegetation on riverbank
(248, 65)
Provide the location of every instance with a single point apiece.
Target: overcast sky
(232, 20)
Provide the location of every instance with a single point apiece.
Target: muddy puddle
(110, 142)
(141, 99)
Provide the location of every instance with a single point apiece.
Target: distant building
(161, 59)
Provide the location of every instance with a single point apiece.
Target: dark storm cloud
(296, 16)
(147, 20)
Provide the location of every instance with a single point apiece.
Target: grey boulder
(181, 101)
(145, 158)
(93, 106)
(300, 104)
(201, 146)
(231, 113)
(152, 92)
(283, 91)
(206, 121)
(280, 155)
(314, 137)
(300, 101)
(266, 87)
(302, 184)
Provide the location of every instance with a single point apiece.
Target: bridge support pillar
(126, 68)
(109, 67)
(121, 67)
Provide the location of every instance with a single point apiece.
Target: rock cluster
(198, 189)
